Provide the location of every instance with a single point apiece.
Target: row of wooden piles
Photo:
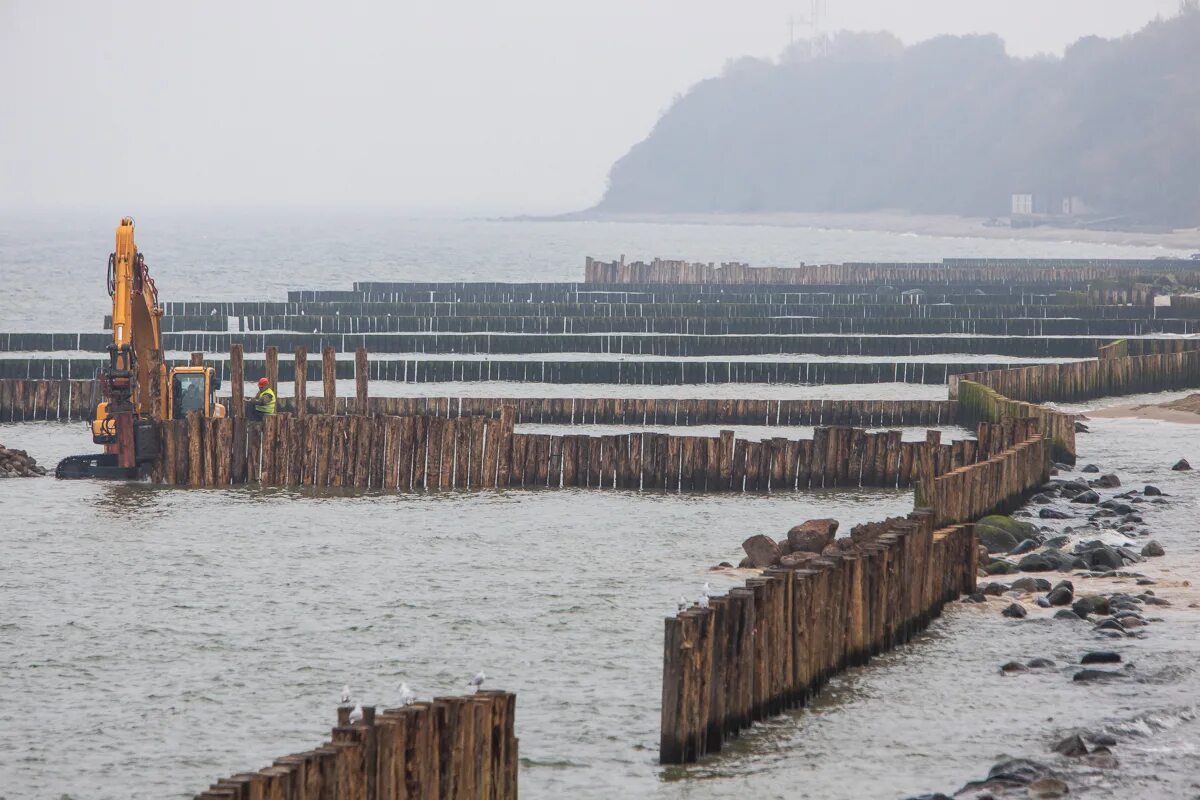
(413, 453)
(451, 748)
(771, 645)
(32, 400)
(1089, 380)
(1050, 273)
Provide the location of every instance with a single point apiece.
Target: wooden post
(271, 368)
(360, 379)
(237, 381)
(197, 360)
(329, 377)
(300, 395)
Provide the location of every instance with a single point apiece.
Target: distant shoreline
(900, 222)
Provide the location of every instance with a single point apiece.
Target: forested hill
(951, 125)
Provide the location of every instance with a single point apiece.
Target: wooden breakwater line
(949, 271)
(771, 645)
(665, 411)
(601, 369)
(28, 399)
(415, 453)
(452, 748)
(1089, 380)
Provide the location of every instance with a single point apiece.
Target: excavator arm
(132, 380)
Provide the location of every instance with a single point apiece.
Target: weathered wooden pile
(451, 748)
(18, 464)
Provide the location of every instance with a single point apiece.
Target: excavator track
(98, 465)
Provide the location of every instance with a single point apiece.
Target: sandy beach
(1186, 241)
(1185, 410)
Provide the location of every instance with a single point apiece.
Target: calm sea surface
(153, 640)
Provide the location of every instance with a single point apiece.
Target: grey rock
(1041, 602)
(1152, 491)
(813, 535)
(762, 551)
(1088, 497)
(1072, 746)
(993, 589)
(1023, 547)
(1090, 468)
(1153, 549)
(1182, 465)
(1107, 482)
(1039, 663)
(1052, 513)
(1034, 562)
(1015, 610)
(1014, 666)
(1100, 657)
(1031, 584)
(1060, 596)
(1110, 624)
(1040, 499)
(1001, 567)
(1066, 613)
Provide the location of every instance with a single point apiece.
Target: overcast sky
(472, 106)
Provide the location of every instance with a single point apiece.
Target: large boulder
(1001, 534)
(1152, 549)
(1182, 465)
(812, 536)
(762, 551)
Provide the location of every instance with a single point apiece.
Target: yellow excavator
(136, 385)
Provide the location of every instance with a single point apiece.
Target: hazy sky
(457, 105)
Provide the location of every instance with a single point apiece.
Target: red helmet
(263, 383)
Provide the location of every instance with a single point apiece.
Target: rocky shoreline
(19, 464)
(1098, 534)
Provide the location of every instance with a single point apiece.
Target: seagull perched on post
(683, 603)
(708, 592)
(703, 601)
(478, 680)
(356, 714)
(346, 693)
(407, 695)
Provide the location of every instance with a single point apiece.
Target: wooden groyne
(451, 748)
(414, 453)
(28, 400)
(948, 271)
(771, 645)
(1089, 380)
(600, 370)
(23, 400)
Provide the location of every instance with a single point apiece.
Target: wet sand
(1185, 410)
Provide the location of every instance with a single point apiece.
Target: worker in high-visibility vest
(264, 401)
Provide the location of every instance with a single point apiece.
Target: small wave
(556, 764)
(1153, 722)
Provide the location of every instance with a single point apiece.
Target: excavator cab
(193, 389)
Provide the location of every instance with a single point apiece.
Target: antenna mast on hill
(815, 22)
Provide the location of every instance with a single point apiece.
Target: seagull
(356, 714)
(478, 680)
(346, 693)
(708, 592)
(683, 603)
(703, 601)
(407, 695)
